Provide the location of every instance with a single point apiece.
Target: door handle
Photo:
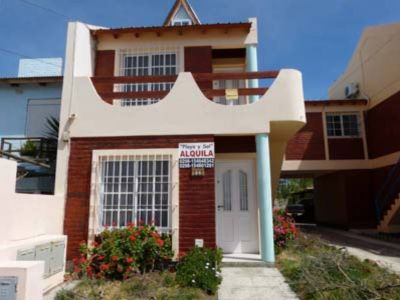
(220, 207)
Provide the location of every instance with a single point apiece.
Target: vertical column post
(263, 172)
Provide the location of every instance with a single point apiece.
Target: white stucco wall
(24, 216)
(375, 65)
(29, 274)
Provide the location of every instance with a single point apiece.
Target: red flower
(155, 235)
(101, 257)
(132, 237)
(120, 269)
(95, 244)
(104, 267)
(130, 260)
(82, 260)
(89, 270)
(160, 242)
(114, 258)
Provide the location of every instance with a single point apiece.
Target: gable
(181, 11)
(181, 14)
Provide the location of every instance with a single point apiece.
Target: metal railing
(33, 150)
(105, 85)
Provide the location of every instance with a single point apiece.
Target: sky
(316, 37)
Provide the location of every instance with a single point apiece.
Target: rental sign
(196, 155)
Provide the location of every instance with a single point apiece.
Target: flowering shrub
(200, 268)
(119, 253)
(284, 229)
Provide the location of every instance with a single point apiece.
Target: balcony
(145, 90)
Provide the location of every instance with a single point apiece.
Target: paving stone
(253, 283)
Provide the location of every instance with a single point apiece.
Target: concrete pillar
(263, 173)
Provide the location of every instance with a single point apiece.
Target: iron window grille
(136, 189)
(147, 62)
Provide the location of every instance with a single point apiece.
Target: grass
(315, 270)
(157, 286)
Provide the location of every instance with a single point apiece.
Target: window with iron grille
(164, 62)
(135, 189)
(343, 124)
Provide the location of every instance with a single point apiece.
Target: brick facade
(197, 196)
(308, 143)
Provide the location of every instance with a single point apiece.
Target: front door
(236, 207)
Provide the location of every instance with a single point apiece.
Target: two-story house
(169, 125)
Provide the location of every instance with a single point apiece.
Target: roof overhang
(336, 102)
(30, 80)
(159, 30)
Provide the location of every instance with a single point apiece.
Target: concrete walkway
(253, 283)
(383, 253)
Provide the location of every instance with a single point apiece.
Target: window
(181, 22)
(343, 124)
(226, 190)
(135, 189)
(243, 187)
(153, 64)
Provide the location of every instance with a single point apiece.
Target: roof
(189, 10)
(336, 102)
(160, 29)
(40, 80)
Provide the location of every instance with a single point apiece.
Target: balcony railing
(33, 150)
(106, 86)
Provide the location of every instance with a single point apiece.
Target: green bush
(119, 253)
(200, 268)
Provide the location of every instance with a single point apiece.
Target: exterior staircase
(390, 222)
(387, 202)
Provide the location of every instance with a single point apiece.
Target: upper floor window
(153, 63)
(343, 124)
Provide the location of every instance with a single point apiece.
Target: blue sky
(314, 36)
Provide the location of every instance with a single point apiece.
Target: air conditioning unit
(352, 90)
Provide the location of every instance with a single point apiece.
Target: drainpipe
(263, 172)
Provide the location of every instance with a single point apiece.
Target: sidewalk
(383, 253)
(247, 277)
(253, 283)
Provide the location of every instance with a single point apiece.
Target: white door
(237, 230)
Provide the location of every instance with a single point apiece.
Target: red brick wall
(346, 148)
(197, 199)
(104, 67)
(308, 143)
(382, 123)
(196, 209)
